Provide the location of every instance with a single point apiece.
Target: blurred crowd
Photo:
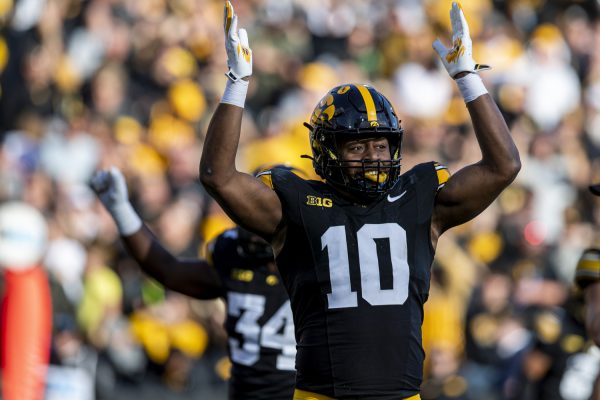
(130, 83)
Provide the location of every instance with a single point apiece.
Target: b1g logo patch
(319, 201)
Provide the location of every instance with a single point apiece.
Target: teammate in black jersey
(355, 251)
(587, 277)
(241, 270)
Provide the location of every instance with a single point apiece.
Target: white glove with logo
(239, 54)
(111, 189)
(459, 58)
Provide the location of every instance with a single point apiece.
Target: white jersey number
(277, 332)
(334, 240)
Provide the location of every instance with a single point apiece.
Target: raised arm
(244, 198)
(472, 189)
(192, 277)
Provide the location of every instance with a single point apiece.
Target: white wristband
(471, 87)
(127, 220)
(235, 92)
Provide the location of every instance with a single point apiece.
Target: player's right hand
(239, 54)
(110, 187)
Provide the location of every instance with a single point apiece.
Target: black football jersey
(259, 324)
(358, 277)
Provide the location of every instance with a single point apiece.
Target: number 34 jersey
(358, 277)
(259, 324)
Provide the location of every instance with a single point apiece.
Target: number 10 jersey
(358, 277)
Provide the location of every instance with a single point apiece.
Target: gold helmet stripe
(369, 103)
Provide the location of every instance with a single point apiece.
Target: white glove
(459, 58)
(239, 55)
(111, 189)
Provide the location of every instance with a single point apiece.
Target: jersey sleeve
(427, 179)
(290, 188)
(588, 268)
(266, 175)
(443, 174)
(266, 178)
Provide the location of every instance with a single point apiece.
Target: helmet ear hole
(355, 111)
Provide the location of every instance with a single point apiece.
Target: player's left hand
(458, 58)
(110, 187)
(239, 54)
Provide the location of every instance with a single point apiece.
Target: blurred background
(133, 83)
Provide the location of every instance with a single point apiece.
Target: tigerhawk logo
(319, 201)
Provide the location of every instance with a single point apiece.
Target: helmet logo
(324, 110)
(343, 89)
(374, 124)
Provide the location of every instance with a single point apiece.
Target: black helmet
(355, 111)
(253, 248)
(588, 268)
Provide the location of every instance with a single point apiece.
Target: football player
(355, 250)
(560, 362)
(587, 278)
(240, 269)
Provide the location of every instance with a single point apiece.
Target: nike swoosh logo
(394, 198)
